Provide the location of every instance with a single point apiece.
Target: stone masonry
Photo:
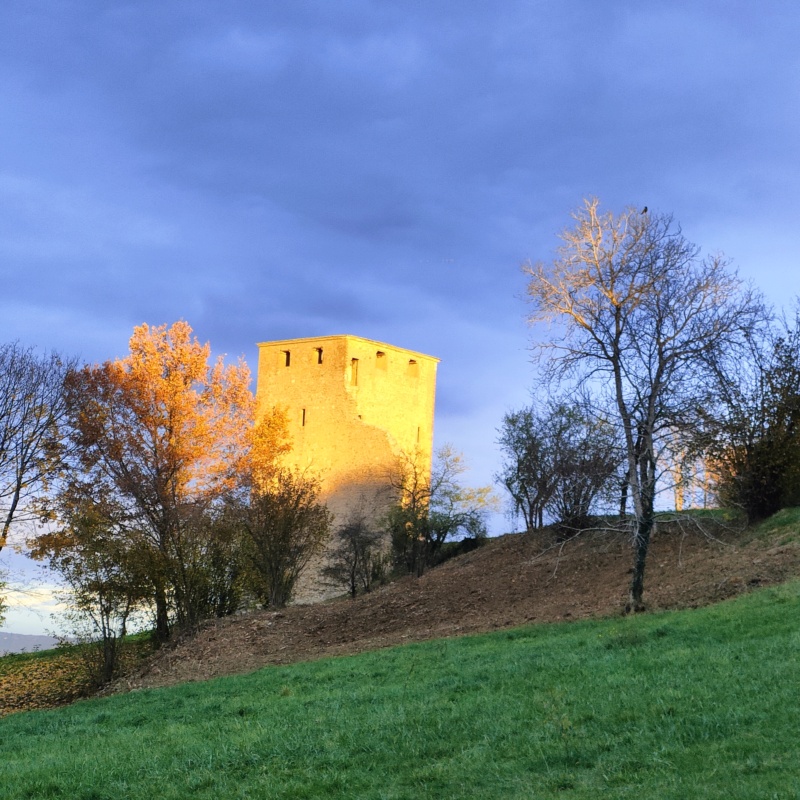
(355, 406)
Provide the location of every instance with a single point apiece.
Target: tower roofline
(347, 336)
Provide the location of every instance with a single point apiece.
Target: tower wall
(354, 406)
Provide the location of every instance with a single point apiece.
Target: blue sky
(287, 169)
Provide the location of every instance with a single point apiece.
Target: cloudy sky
(287, 169)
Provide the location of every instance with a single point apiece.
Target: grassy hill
(699, 703)
(510, 581)
(672, 704)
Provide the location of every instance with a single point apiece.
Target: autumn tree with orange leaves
(158, 438)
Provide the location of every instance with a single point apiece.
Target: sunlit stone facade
(355, 405)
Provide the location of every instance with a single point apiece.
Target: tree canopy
(557, 460)
(156, 438)
(751, 434)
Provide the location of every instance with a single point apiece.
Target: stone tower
(355, 406)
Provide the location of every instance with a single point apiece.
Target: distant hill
(21, 642)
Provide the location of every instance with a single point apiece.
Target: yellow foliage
(270, 442)
(196, 416)
(41, 682)
(56, 677)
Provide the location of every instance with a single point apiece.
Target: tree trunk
(109, 659)
(623, 498)
(162, 616)
(10, 514)
(642, 543)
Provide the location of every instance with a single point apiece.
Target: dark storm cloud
(304, 168)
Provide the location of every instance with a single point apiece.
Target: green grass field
(696, 704)
(785, 523)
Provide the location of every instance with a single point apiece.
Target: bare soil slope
(512, 580)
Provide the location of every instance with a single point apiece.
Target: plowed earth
(510, 581)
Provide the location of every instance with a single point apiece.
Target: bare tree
(557, 460)
(528, 471)
(433, 506)
(637, 313)
(357, 558)
(32, 408)
(586, 461)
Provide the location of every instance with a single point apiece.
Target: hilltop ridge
(510, 581)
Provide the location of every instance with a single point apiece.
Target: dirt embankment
(510, 581)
